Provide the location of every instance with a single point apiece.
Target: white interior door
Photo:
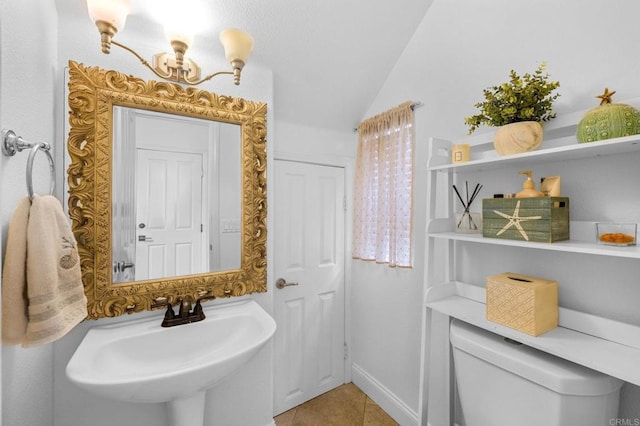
(309, 252)
(169, 231)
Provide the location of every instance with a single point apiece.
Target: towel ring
(11, 143)
(46, 149)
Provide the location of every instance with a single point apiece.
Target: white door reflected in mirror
(176, 195)
(165, 178)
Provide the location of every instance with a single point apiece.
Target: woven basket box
(539, 219)
(524, 303)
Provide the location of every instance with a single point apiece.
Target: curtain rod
(414, 105)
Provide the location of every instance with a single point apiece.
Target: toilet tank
(502, 383)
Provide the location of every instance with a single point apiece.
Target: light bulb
(113, 12)
(178, 33)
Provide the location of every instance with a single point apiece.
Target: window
(383, 188)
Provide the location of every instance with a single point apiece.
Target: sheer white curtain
(383, 188)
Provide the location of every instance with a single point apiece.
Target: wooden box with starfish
(539, 219)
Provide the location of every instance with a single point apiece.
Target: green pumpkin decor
(609, 120)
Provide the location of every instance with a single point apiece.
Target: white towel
(14, 277)
(55, 296)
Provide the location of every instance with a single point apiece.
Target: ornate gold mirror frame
(93, 92)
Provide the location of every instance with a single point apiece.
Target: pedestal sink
(140, 361)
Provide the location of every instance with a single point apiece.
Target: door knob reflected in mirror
(121, 266)
(282, 283)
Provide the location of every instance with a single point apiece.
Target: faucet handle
(169, 314)
(163, 301)
(197, 310)
(203, 298)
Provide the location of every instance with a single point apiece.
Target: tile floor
(343, 406)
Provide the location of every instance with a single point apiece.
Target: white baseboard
(455, 424)
(391, 404)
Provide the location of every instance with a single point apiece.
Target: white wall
(314, 144)
(460, 48)
(230, 200)
(27, 88)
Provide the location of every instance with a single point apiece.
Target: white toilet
(505, 384)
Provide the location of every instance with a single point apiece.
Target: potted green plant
(524, 99)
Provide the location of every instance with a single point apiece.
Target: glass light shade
(237, 44)
(111, 11)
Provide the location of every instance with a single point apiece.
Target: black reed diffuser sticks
(467, 204)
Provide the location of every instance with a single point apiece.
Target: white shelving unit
(574, 339)
(578, 243)
(601, 344)
(569, 149)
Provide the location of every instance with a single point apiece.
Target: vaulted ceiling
(329, 58)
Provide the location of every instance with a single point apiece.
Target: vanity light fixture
(110, 16)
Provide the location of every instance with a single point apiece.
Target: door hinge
(201, 227)
(346, 351)
(344, 203)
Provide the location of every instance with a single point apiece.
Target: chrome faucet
(185, 314)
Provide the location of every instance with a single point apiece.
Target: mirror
(175, 195)
(110, 176)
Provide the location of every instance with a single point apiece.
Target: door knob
(282, 283)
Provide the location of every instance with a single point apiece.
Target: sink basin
(140, 361)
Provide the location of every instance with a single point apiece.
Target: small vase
(515, 138)
(468, 223)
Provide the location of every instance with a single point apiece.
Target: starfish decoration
(605, 98)
(514, 220)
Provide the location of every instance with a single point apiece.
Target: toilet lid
(555, 373)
